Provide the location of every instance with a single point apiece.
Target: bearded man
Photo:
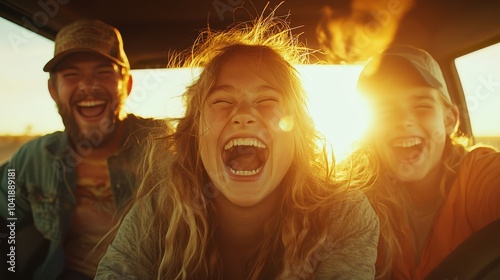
(71, 186)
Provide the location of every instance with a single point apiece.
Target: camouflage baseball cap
(88, 36)
(398, 63)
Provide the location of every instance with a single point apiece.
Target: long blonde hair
(181, 230)
(383, 189)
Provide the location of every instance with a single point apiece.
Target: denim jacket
(45, 185)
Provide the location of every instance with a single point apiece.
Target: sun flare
(338, 111)
(286, 123)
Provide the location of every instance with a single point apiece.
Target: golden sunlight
(286, 123)
(339, 112)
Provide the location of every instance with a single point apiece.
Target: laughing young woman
(248, 193)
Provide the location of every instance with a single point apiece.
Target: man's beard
(75, 134)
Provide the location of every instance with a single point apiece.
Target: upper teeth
(244, 142)
(406, 143)
(90, 103)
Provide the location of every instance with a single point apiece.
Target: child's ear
(451, 119)
(130, 81)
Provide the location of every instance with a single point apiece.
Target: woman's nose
(244, 115)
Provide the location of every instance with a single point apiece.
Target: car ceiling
(151, 30)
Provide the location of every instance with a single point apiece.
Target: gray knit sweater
(349, 253)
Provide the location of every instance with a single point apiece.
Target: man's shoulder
(37, 153)
(142, 127)
(138, 121)
(139, 130)
(40, 144)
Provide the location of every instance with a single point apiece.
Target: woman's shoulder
(482, 159)
(483, 151)
(354, 209)
(143, 206)
(478, 180)
(350, 200)
(351, 246)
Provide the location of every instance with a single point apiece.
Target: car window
(479, 73)
(30, 111)
(331, 91)
(27, 107)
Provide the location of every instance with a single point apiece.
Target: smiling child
(431, 193)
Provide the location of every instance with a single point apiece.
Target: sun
(338, 110)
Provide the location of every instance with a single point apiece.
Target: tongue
(408, 154)
(93, 111)
(245, 161)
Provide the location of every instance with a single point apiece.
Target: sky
(24, 98)
(479, 74)
(26, 106)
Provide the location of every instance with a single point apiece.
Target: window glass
(479, 74)
(336, 107)
(27, 107)
(28, 110)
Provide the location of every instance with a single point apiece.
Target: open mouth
(408, 149)
(245, 156)
(91, 108)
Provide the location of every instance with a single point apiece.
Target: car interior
(463, 36)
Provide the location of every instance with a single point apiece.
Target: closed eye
(107, 70)
(270, 99)
(424, 106)
(69, 74)
(222, 101)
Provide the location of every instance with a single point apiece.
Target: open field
(490, 141)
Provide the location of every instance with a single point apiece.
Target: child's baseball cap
(88, 35)
(402, 64)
